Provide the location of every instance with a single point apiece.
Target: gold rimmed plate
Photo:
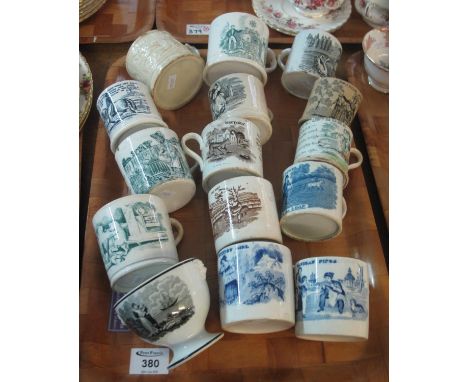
(86, 90)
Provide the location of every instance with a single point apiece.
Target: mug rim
(317, 118)
(141, 285)
(352, 259)
(348, 84)
(256, 241)
(309, 162)
(318, 31)
(234, 59)
(119, 82)
(306, 211)
(241, 179)
(129, 136)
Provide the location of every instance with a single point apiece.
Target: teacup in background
(230, 147)
(314, 54)
(334, 98)
(376, 58)
(242, 209)
(173, 71)
(170, 310)
(241, 95)
(135, 238)
(126, 107)
(327, 140)
(238, 43)
(152, 162)
(332, 299)
(374, 12)
(314, 8)
(313, 203)
(256, 287)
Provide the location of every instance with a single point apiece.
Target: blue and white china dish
(152, 162)
(256, 287)
(135, 238)
(327, 140)
(126, 107)
(332, 299)
(313, 204)
(169, 309)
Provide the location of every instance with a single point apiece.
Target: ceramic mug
(173, 71)
(238, 43)
(316, 8)
(313, 203)
(135, 238)
(152, 162)
(314, 54)
(376, 58)
(374, 12)
(243, 209)
(334, 98)
(241, 95)
(126, 107)
(327, 140)
(230, 147)
(332, 299)
(256, 287)
(170, 309)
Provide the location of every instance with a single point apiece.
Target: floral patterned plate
(281, 16)
(86, 90)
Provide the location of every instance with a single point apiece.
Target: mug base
(227, 173)
(220, 69)
(178, 83)
(192, 347)
(299, 84)
(332, 330)
(307, 226)
(175, 193)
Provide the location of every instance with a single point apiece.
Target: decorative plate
(281, 16)
(86, 90)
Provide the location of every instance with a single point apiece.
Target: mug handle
(344, 209)
(191, 153)
(192, 49)
(271, 60)
(270, 115)
(179, 230)
(284, 53)
(336, 5)
(358, 155)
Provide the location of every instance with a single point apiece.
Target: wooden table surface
(374, 119)
(104, 355)
(174, 15)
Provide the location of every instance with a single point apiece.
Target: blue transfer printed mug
(152, 162)
(313, 204)
(256, 287)
(332, 299)
(126, 107)
(135, 239)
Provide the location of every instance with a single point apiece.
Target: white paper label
(149, 361)
(171, 81)
(198, 29)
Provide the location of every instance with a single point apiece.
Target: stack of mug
(313, 204)
(255, 269)
(166, 301)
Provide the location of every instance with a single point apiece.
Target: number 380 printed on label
(149, 361)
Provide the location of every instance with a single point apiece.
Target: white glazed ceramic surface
(173, 71)
(126, 107)
(327, 140)
(332, 299)
(243, 209)
(316, 8)
(313, 204)
(314, 54)
(135, 238)
(170, 309)
(282, 16)
(152, 162)
(332, 97)
(230, 147)
(241, 95)
(376, 58)
(256, 287)
(374, 12)
(238, 43)
(86, 90)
